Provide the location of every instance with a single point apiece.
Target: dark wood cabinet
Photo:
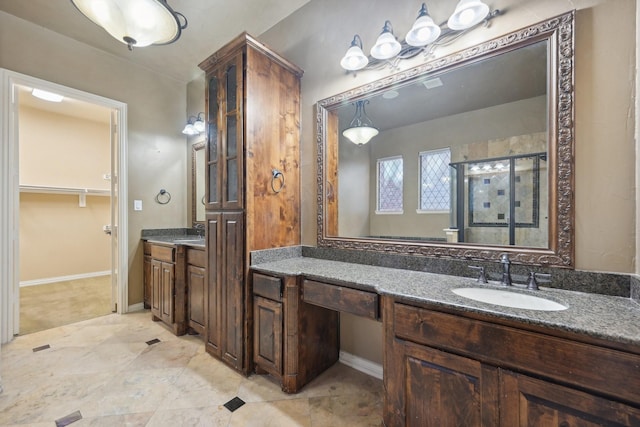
(213, 293)
(196, 288)
(293, 341)
(225, 321)
(445, 369)
(463, 387)
(530, 402)
(267, 335)
(167, 286)
(146, 275)
(252, 181)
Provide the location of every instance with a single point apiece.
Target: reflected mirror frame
(194, 181)
(559, 32)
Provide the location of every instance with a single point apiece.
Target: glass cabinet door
(233, 148)
(214, 171)
(225, 138)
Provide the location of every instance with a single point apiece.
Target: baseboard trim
(135, 307)
(64, 278)
(359, 364)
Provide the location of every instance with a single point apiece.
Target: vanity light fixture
(424, 36)
(136, 23)
(194, 126)
(199, 123)
(361, 129)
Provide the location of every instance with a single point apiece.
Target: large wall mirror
(474, 155)
(197, 183)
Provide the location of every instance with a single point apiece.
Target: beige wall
(62, 151)
(317, 35)
(58, 238)
(156, 115)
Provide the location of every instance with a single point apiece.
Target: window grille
(390, 182)
(435, 177)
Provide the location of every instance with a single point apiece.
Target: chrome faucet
(506, 269)
(200, 229)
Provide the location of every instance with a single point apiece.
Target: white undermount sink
(509, 299)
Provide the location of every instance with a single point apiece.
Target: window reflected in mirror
(490, 109)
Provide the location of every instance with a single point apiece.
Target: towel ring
(163, 197)
(275, 174)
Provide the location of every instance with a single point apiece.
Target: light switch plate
(137, 205)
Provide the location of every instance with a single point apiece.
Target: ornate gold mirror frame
(559, 33)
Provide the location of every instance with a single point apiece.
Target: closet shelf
(81, 192)
(63, 190)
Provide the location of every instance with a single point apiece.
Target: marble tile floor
(105, 369)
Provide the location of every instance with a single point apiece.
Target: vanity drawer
(197, 257)
(146, 248)
(267, 286)
(163, 253)
(339, 298)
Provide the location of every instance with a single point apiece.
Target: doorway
(47, 190)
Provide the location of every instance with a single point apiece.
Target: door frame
(10, 195)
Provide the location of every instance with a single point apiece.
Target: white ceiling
(211, 24)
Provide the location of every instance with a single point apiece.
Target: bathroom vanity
(450, 360)
(174, 280)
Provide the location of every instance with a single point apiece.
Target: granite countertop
(177, 239)
(610, 318)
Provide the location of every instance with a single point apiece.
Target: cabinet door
(233, 289)
(147, 282)
(156, 288)
(167, 292)
(232, 133)
(213, 323)
(196, 285)
(267, 338)
(225, 164)
(528, 402)
(437, 389)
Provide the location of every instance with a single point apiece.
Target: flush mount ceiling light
(361, 129)
(47, 96)
(194, 126)
(136, 23)
(424, 36)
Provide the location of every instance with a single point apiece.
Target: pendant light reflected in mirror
(361, 129)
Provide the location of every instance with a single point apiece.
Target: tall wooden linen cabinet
(252, 181)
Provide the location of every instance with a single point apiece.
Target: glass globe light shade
(467, 14)
(423, 32)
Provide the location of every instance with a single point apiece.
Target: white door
(9, 200)
(114, 210)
